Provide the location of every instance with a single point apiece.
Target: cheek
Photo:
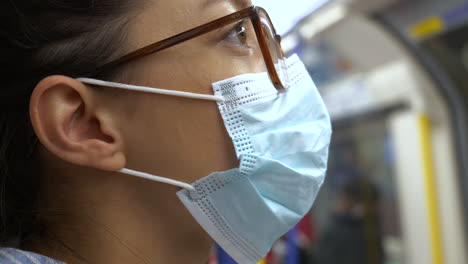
(222, 69)
(180, 138)
(185, 70)
(223, 65)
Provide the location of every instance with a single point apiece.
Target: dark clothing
(343, 242)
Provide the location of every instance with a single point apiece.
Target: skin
(87, 134)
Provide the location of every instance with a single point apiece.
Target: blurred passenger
(353, 235)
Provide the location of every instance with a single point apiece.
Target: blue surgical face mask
(281, 141)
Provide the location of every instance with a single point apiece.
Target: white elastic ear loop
(157, 178)
(151, 90)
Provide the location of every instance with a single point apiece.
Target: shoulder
(16, 256)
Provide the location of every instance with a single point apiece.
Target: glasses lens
(274, 46)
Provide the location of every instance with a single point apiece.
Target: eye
(238, 35)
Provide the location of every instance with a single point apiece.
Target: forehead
(162, 19)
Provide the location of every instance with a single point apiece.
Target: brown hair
(39, 38)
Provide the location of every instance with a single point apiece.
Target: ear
(65, 116)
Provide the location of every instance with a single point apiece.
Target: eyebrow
(240, 3)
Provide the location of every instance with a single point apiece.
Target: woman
(240, 150)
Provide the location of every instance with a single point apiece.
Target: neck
(118, 224)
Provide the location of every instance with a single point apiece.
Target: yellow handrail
(430, 190)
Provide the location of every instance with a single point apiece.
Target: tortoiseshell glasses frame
(256, 14)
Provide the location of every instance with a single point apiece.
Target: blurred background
(394, 75)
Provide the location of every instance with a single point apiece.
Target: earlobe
(65, 118)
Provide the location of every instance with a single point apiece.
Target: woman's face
(180, 138)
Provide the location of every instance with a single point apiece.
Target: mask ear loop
(156, 91)
(151, 90)
(157, 179)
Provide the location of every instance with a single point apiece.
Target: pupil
(242, 33)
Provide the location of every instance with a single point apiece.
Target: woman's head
(86, 133)
(62, 141)
(40, 38)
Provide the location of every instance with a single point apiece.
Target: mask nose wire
(151, 90)
(157, 179)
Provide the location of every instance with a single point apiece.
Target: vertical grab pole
(430, 190)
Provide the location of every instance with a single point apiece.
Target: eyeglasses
(267, 41)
